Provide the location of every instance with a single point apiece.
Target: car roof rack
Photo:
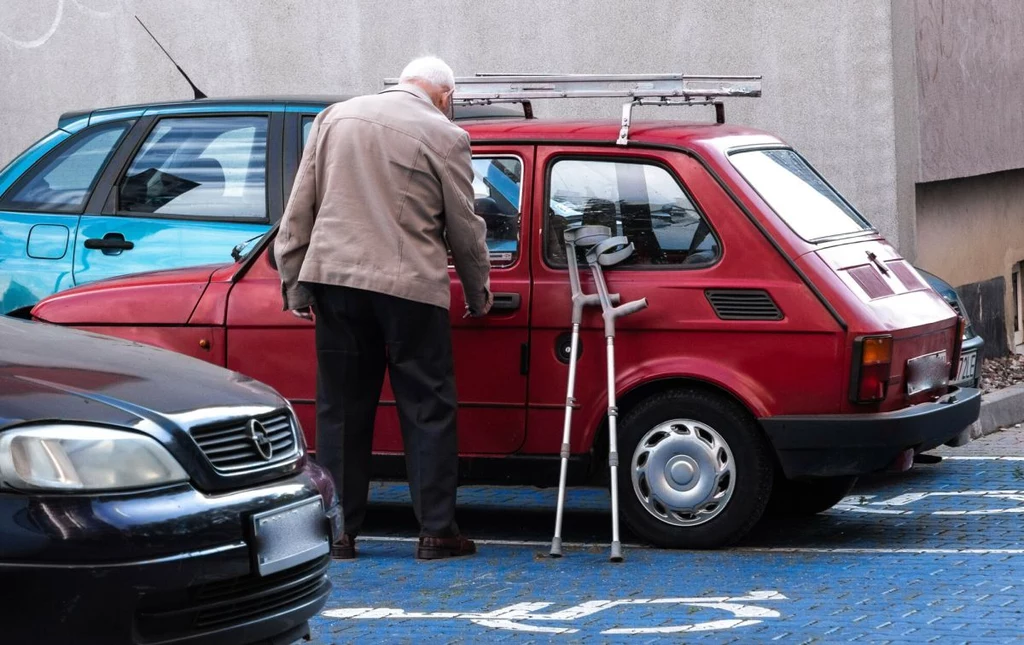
(641, 89)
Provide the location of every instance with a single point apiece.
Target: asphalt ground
(932, 555)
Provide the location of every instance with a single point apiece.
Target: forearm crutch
(585, 237)
(608, 253)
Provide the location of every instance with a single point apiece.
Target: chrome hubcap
(683, 472)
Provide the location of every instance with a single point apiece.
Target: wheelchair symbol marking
(513, 616)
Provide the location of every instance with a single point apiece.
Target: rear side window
(640, 200)
(209, 167)
(798, 194)
(64, 180)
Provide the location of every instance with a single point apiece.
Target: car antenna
(199, 93)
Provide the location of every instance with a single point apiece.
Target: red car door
(491, 353)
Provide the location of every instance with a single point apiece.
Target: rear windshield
(798, 194)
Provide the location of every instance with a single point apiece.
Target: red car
(787, 348)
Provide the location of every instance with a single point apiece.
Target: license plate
(927, 372)
(968, 367)
(290, 535)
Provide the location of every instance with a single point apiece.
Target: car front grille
(237, 601)
(231, 447)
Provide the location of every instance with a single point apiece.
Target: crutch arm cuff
(604, 255)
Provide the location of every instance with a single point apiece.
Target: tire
(695, 470)
(800, 498)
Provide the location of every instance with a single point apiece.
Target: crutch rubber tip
(616, 552)
(556, 548)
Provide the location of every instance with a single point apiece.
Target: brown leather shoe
(344, 548)
(436, 548)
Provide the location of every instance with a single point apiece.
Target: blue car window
(209, 167)
(307, 125)
(497, 188)
(64, 180)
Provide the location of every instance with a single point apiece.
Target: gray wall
(828, 66)
(970, 59)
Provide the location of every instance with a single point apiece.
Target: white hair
(430, 69)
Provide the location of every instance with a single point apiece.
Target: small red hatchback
(787, 347)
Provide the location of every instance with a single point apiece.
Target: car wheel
(806, 497)
(697, 471)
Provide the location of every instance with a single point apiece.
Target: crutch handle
(594, 299)
(630, 308)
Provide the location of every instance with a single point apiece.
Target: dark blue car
(147, 497)
(973, 352)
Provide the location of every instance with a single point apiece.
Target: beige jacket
(384, 179)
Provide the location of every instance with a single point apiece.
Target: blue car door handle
(111, 244)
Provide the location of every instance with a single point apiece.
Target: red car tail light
(958, 345)
(872, 361)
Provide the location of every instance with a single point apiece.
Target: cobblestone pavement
(933, 555)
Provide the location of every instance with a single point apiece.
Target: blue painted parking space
(933, 555)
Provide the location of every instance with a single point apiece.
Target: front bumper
(167, 566)
(857, 444)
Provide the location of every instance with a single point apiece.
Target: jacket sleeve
(297, 227)
(466, 231)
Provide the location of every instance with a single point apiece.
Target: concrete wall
(970, 128)
(971, 231)
(829, 87)
(970, 59)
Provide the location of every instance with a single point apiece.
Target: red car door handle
(505, 302)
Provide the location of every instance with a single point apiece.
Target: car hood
(154, 298)
(50, 373)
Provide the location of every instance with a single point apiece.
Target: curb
(999, 409)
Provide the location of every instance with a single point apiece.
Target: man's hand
(483, 310)
(306, 313)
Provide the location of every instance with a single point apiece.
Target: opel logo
(261, 439)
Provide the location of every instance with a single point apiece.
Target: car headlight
(962, 310)
(69, 458)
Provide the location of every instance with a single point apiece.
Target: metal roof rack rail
(641, 89)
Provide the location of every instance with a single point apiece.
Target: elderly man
(384, 181)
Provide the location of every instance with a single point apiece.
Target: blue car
(158, 186)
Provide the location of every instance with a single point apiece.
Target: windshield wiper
(236, 252)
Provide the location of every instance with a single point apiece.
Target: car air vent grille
(743, 304)
(248, 443)
(868, 278)
(906, 275)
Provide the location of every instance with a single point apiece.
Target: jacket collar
(409, 88)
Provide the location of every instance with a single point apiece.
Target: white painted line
(971, 458)
(871, 551)
(752, 549)
(572, 545)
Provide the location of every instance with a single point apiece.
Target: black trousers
(358, 335)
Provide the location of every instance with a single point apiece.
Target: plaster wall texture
(970, 231)
(827, 66)
(970, 60)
